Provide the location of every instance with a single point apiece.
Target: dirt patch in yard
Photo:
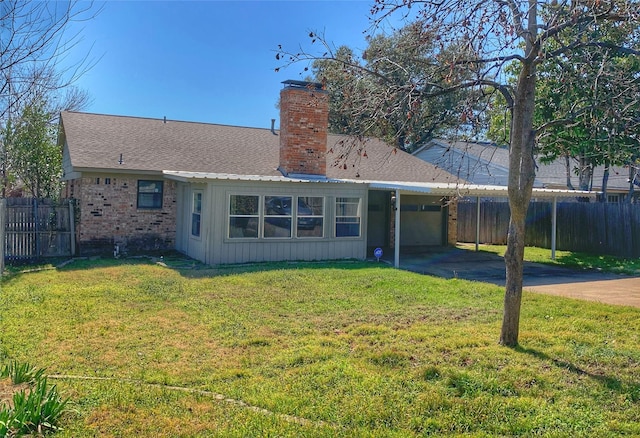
(8, 389)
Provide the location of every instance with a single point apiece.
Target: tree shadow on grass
(185, 266)
(618, 265)
(631, 389)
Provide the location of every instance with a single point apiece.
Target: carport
(458, 191)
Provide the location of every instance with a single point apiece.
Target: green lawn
(335, 349)
(569, 259)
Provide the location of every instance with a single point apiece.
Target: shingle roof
(97, 142)
(484, 163)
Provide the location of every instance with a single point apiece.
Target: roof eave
(438, 189)
(110, 170)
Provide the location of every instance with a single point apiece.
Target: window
(277, 216)
(347, 217)
(309, 216)
(243, 216)
(196, 213)
(149, 194)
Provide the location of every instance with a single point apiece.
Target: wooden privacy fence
(37, 228)
(595, 228)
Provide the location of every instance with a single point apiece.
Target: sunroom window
(277, 216)
(310, 216)
(244, 216)
(348, 217)
(196, 213)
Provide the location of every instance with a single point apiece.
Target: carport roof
(438, 189)
(463, 190)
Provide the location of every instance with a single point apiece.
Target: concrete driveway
(487, 267)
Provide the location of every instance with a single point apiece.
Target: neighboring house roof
(476, 162)
(486, 163)
(109, 143)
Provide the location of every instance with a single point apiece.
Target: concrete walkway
(487, 267)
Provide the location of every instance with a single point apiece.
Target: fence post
(72, 226)
(3, 243)
(36, 227)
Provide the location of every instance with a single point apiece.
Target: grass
(317, 349)
(606, 263)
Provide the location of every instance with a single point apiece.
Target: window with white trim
(274, 216)
(310, 216)
(277, 217)
(348, 217)
(196, 213)
(244, 216)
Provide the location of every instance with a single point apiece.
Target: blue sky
(205, 61)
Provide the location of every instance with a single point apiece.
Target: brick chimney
(304, 120)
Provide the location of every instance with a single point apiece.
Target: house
(486, 163)
(227, 194)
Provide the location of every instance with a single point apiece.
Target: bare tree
(491, 35)
(36, 40)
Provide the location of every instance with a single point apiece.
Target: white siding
(67, 169)
(216, 247)
(182, 192)
(186, 243)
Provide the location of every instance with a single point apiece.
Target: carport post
(477, 223)
(396, 248)
(554, 222)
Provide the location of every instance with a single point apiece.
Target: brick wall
(108, 215)
(304, 119)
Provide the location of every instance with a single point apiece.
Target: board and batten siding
(215, 247)
(194, 246)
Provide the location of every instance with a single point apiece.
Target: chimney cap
(303, 84)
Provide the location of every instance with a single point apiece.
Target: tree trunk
(520, 185)
(514, 265)
(567, 169)
(585, 172)
(632, 178)
(605, 181)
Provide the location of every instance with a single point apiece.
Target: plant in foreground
(35, 409)
(21, 373)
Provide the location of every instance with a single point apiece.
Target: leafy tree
(369, 96)
(585, 112)
(35, 157)
(490, 35)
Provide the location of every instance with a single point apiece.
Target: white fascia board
(201, 176)
(440, 189)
